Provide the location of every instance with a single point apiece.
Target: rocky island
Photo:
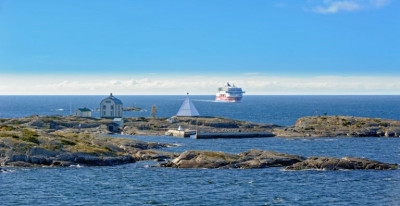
(38, 141)
(255, 159)
(340, 126)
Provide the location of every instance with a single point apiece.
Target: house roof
(111, 97)
(84, 109)
(188, 109)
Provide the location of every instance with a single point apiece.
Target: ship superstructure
(229, 93)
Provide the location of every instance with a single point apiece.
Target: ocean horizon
(275, 109)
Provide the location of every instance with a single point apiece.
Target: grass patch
(384, 124)
(310, 128)
(6, 128)
(67, 142)
(221, 155)
(346, 123)
(9, 134)
(30, 136)
(51, 147)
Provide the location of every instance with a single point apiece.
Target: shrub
(9, 134)
(346, 123)
(30, 136)
(66, 142)
(6, 128)
(359, 124)
(384, 124)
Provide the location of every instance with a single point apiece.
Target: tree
(153, 110)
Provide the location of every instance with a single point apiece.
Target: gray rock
(154, 155)
(260, 159)
(246, 160)
(389, 133)
(37, 151)
(348, 163)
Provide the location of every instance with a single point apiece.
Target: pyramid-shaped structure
(187, 109)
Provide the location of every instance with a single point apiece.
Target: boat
(229, 93)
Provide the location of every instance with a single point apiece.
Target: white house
(111, 107)
(83, 112)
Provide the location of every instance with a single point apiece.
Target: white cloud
(198, 85)
(334, 6)
(379, 3)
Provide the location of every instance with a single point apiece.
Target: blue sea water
(281, 110)
(141, 184)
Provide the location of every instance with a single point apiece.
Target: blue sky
(156, 39)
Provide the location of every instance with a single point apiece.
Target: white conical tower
(187, 109)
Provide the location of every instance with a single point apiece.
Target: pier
(233, 135)
(216, 135)
(180, 133)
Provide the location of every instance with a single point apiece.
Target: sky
(178, 46)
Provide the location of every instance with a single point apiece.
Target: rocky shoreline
(314, 126)
(55, 141)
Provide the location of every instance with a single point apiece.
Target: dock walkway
(233, 135)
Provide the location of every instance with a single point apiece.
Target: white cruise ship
(229, 93)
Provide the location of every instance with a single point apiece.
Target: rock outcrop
(340, 126)
(247, 160)
(24, 147)
(255, 159)
(345, 163)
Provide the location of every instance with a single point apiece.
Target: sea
(142, 184)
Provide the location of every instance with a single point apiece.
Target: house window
(112, 106)
(104, 113)
(104, 107)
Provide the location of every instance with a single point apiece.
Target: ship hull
(228, 99)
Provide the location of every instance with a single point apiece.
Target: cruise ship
(229, 93)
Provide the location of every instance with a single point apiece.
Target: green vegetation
(384, 124)
(359, 124)
(221, 155)
(6, 128)
(346, 123)
(67, 142)
(9, 134)
(30, 136)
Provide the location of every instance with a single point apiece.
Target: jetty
(180, 133)
(233, 135)
(215, 135)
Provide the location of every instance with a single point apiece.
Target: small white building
(83, 112)
(119, 121)
(111, 107)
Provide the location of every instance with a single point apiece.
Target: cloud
(333, 6)
(337, 6)
(27, 85)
